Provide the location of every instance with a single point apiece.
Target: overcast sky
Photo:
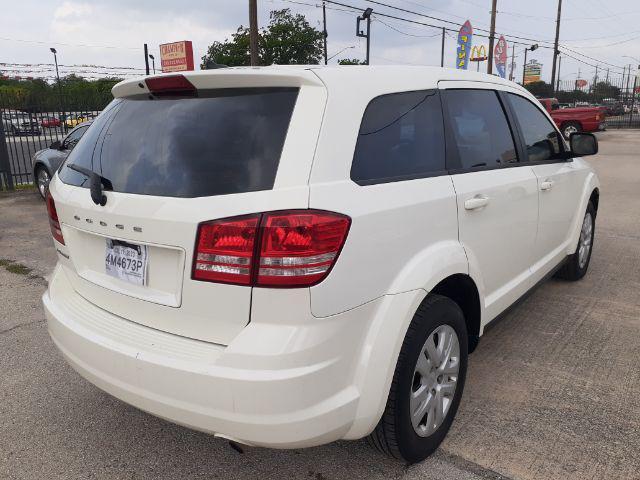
(111, 32)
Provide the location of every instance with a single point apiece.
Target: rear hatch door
(240, 143)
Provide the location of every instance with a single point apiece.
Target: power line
(39, 42)
(405, 33)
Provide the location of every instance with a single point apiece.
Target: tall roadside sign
(500, 56)
(532, 72)
(176, 56)
(465, 36)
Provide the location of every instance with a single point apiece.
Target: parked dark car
(47, 161)
(614, 109)
(21, 124)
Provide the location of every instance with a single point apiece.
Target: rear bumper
(279, 385)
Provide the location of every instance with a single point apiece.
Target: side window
(401, 137)
(542, 140)
(74, 137)
(480, 129)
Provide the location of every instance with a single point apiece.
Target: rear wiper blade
(96, 183)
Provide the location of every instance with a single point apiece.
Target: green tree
(288, 40)
(606, 90)
(540, 89)
(350, 61)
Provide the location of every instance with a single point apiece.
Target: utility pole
(624, 72)
(366, 15)
(607, 79)
(492, 34)
(555, 45)
(146, 58)
(559, 65)
(513, 60)
(253, 32)
(442, 49)
(633, 93)
(577, 78)
(324, 30)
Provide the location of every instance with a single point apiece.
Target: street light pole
(366, 15)
(532, 48)
(55, 59)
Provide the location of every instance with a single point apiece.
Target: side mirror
(56, 145)
(583, 144)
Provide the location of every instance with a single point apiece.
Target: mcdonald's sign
(465, 35)
(478, 53)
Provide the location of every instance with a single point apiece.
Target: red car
(50, 122)
(579, 119)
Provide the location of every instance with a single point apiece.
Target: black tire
(36, 172)
(394, 435)
(572, 270)
(569, 127)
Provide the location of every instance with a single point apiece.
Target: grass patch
(14, 267)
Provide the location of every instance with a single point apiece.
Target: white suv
(290, 256)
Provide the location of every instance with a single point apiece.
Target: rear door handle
(476, 202)
(546, 185)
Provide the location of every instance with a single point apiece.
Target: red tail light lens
(299, 248)
(224, 251)
(54, 223)
(294, 248)
(170, 85)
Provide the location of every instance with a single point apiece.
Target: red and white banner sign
(176, 56)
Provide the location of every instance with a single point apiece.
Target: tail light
(54, 223)
(171, 86)
(284, 249)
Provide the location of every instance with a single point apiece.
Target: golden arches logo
(478, 53)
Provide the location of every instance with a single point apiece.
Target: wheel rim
(43, 181)
(584, 246)
(569, 130)
(434, 380)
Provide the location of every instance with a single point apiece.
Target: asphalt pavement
(553, 390)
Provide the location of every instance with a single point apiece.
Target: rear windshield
(224, 141)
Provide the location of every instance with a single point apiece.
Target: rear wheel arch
(463, 290)
(595, 199)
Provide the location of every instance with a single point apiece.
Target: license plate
(126, 261)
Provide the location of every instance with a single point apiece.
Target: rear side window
(480, 129)
(401, 137)
(222, 142)
(542, 141)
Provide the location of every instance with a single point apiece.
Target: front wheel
(577, 264)
(427, 384)
(42, 181)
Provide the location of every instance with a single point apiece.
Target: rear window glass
(224, 141)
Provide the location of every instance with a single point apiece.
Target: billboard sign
(176, 56)
(500, 56)
(532, 72)
(465, 35)
(580, 83)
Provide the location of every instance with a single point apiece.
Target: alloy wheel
(434, 380)
(584, 246)
(43, 181)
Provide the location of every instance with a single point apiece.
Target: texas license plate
(126, 261)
